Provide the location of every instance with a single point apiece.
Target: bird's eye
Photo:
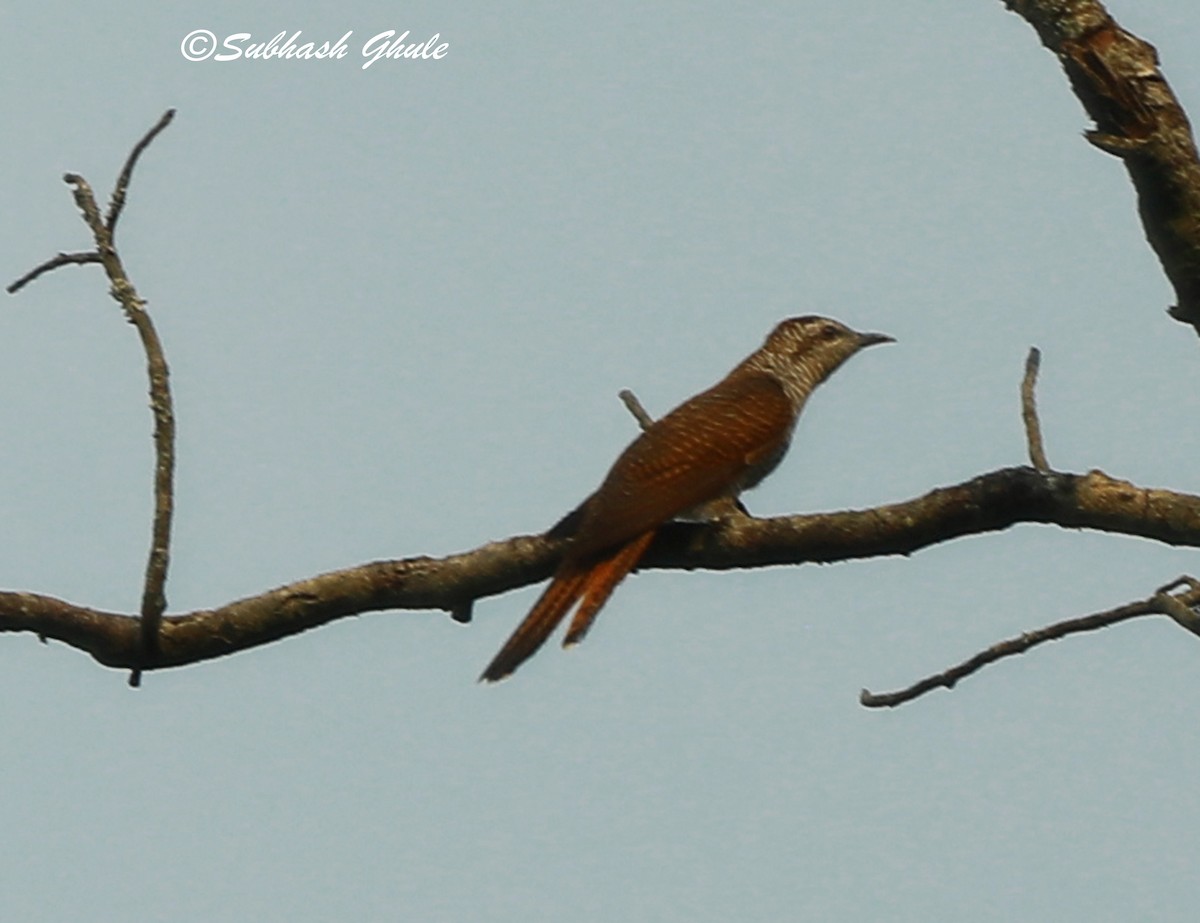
(829, 332)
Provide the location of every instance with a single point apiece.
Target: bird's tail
(592, 581)
(601, 581)
(543, 618)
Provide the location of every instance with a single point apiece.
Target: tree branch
(634, 406)
(117, 203)
(986, 503)
(1029, 414)
(1181, 608)
(1116, 76)
(62, 259)
(154, 599)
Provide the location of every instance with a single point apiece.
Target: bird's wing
(706, 448)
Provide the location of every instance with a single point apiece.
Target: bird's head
(803, 351)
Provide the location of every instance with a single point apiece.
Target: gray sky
(398, 305)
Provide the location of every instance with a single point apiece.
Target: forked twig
(154, 600)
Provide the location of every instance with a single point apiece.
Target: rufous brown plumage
(711, 447)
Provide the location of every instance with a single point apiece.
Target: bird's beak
(870, 339)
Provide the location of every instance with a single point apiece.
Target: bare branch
(1033, 428)
(450, 583)
(153, 593)
(1116, 76)
(62, 259)
(154, 600)
(634, 406)
(1161, 603)
(1009, 648)
(987, 503)
(1181, 608)
(117, 202)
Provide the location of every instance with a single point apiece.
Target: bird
(696, 459)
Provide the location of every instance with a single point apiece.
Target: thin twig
(1008, 648)
(1159, 604)
(1033, 428)
(62, 259)
(117, 202)
(85, 200)
(634, 406)
(1181, 608)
